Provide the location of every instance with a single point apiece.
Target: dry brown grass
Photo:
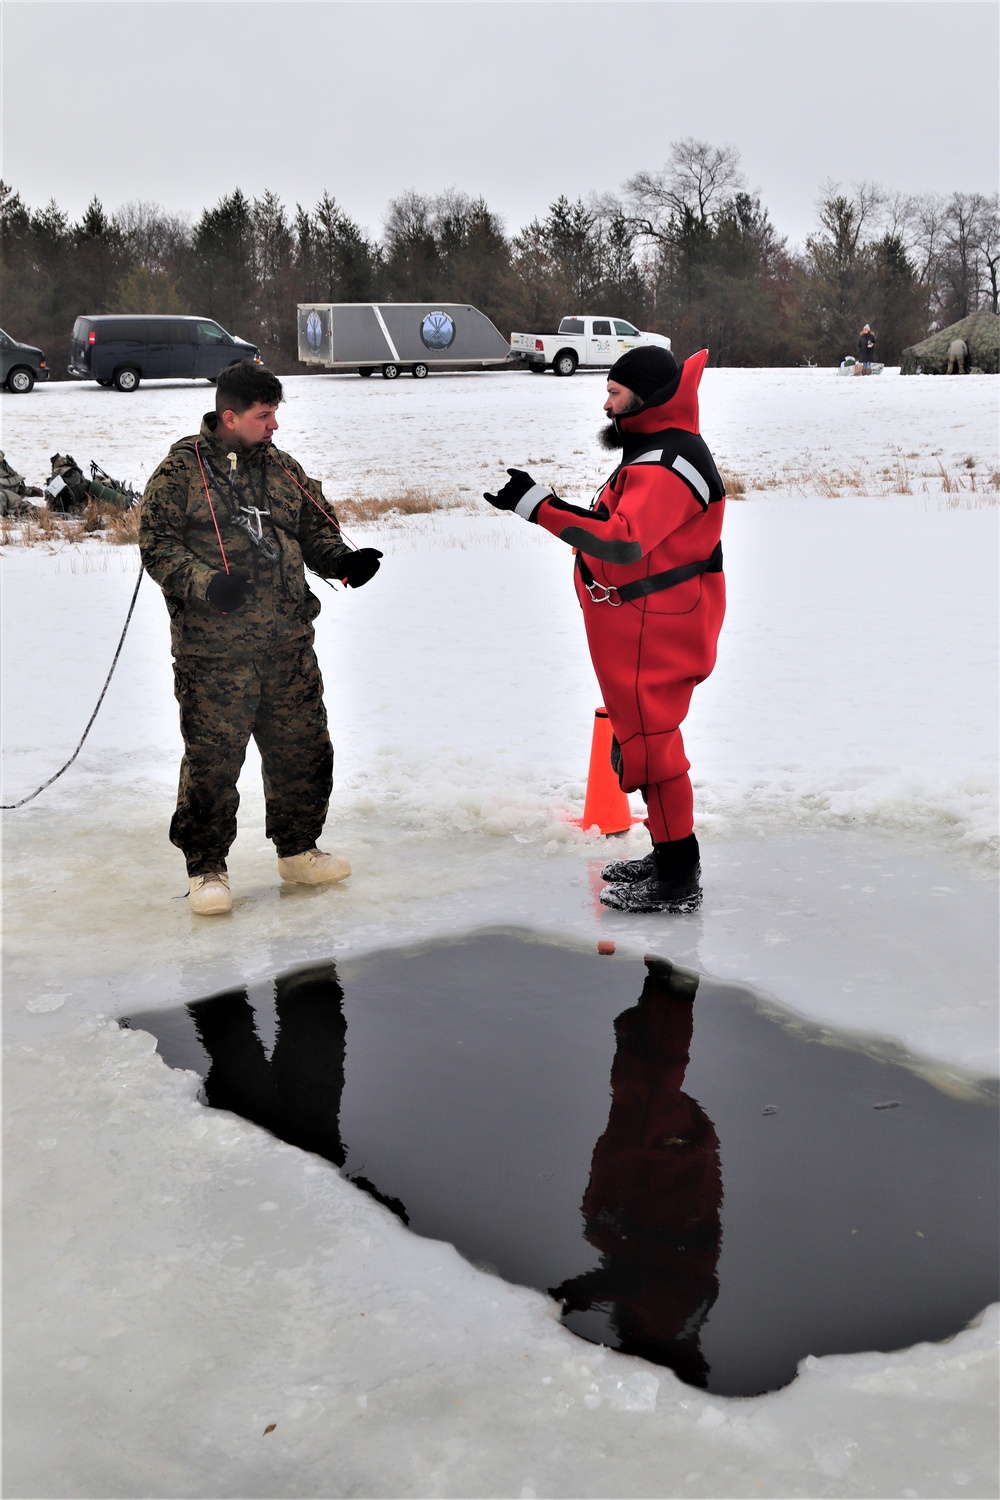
(733, 483)
(95, 517)
(40, 525)
(123, 527)
(415, 500)
(985, 486)
(118, 527)
(897, 480)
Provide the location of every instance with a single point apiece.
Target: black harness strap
(231, 488)
(655, 584)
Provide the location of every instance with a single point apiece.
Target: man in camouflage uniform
(227, 524)
(14, 491)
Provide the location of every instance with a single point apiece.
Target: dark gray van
(20, 365)
(122, 350)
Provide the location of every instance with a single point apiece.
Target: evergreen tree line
(688, 250)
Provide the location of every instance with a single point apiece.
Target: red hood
(678, 409)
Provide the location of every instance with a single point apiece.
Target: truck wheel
(126, 379)
(420, 372)
(390, 372)
(365, 373)
(564, 362)
(537, 369)
(20, 381)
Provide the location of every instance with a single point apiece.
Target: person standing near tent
(958, 357)
(227, 525)
(649, 579)
(866, 349)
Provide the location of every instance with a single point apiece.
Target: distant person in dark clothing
(866, 349)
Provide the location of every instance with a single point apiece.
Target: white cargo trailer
(397, 336)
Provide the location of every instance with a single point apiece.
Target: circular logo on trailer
(437, 331)
(314, 331)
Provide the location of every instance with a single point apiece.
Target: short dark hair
(246, 384)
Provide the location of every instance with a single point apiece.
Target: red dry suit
(649, 579)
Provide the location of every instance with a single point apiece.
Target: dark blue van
(123, 350)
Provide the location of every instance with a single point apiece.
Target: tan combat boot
(209, 894)
(313, 867)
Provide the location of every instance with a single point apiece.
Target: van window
(181, 331)
(601, 325)
(121, 331)
(211, 333)
(625, 330)
(158, 330)
(81, 329)
(571, 325)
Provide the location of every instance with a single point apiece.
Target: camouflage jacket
(181, 550)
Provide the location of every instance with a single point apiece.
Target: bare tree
(961, 262)
(990, 247)
(928, 244)
(153, 238)
(696, 180)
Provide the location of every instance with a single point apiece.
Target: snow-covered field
(176, 1280)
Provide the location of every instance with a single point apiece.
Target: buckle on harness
(248, 520)
(599, 594)
(254, 528)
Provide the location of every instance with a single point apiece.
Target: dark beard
(610, 438)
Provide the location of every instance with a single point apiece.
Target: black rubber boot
(674, 887)
(631, 869)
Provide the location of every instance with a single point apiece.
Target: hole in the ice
(700, 1180)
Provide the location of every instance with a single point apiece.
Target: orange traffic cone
(606, 804)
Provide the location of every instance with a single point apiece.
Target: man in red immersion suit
(649, 580)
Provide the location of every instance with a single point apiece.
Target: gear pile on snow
(15, 491)
(69, 492)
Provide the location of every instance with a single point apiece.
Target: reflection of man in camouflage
(227, 523)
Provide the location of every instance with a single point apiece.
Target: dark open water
(700, 1180)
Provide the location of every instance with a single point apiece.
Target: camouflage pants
(277, 697)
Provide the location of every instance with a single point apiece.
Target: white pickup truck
(588, 342)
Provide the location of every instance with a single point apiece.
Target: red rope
(324, 513)
(208, 497)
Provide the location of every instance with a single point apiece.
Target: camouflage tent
(980, 330)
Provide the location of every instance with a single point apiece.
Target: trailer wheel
(390, 372)
(537, 369)
(365, 373)
(564, 362)
(420, 372)
(126, 379)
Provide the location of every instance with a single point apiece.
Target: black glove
(227, 591)
(357, 567)
(517, 487)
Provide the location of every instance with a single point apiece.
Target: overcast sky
(181, 102)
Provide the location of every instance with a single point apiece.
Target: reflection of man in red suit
(655, 1192)
(649, 580)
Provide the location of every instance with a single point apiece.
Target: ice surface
(176, 1281)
